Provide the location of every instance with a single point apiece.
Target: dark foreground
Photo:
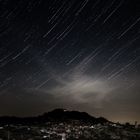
(61, 124)
(70, 131)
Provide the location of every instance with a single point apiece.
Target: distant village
(75, 130)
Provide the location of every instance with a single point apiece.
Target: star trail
(82, 55)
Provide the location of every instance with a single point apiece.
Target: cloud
(79, 87)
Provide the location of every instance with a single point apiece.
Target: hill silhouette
(57, 115)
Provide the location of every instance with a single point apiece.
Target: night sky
(76, 54)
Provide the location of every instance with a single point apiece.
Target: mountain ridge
(56, 115)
